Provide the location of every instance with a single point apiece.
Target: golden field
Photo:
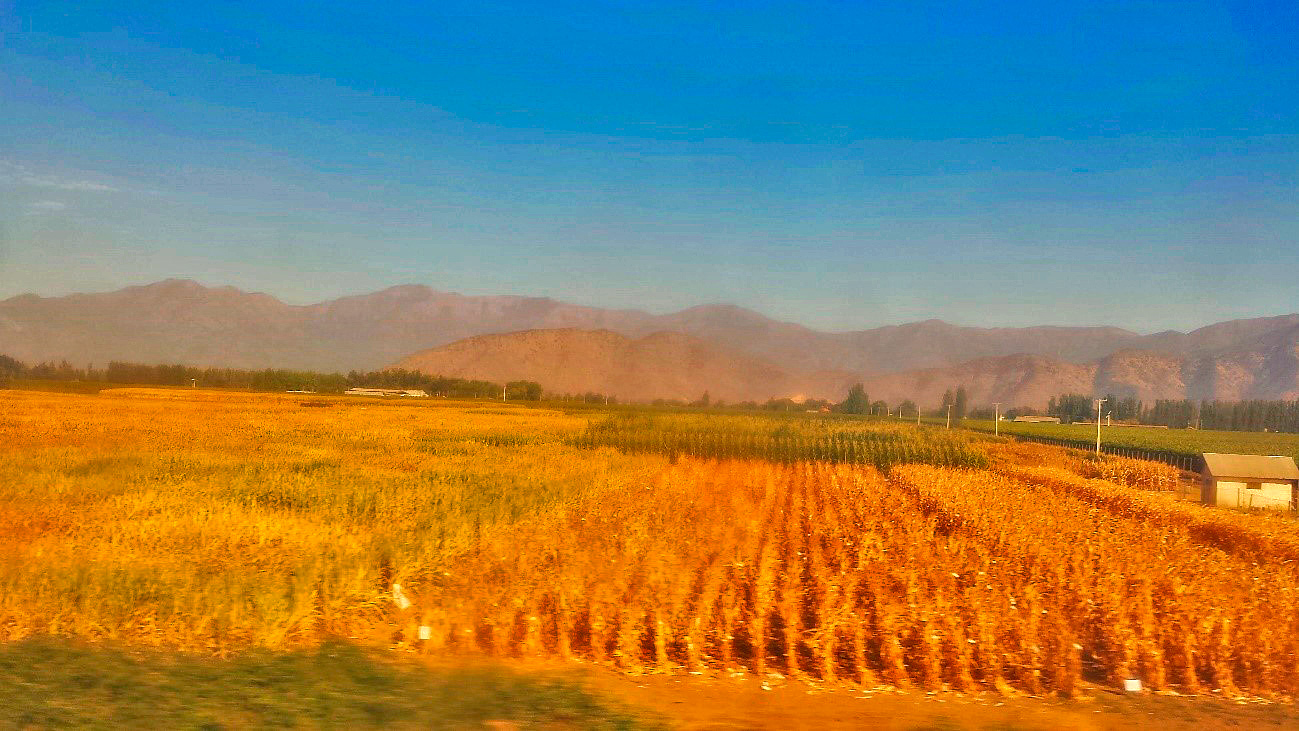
(221, 521)
(216, 521)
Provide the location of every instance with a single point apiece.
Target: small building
(1249, 481)
(414, 392)
(1038, 419)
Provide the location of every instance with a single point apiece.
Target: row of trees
(859, 402)
(1071, 407)
(1256, 415)
(590, 397)
(958, 401)
(269, 379)
(706, 401)
(856, 402)
(1249, 415)
(10, 369)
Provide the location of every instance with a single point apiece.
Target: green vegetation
(54, 684)
(56, 386)
(783, 440)
(1272, 416)
(857, 402)
(63, 376)
(1184, 441)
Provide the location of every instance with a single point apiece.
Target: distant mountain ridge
(581, 361)
(660, 365)
(185, 322)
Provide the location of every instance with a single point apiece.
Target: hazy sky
(843, 165)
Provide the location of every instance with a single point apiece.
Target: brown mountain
(888, 349)
(667, 365)
(660, 365)
(1020, 380)
(1029, 380)
(182, 321)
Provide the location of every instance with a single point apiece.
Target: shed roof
(1251, 465)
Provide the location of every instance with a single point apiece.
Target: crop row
(880, 449)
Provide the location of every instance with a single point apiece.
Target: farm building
(418, 393)
(1038, 419)
(1249, 481)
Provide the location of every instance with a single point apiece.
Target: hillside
(1022, 380)
(660, 365)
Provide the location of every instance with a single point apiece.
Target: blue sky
(843, 165)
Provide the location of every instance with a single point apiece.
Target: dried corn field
(219, 522)
(1126, 471)
(925, 577)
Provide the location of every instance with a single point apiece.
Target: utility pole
(996, 419)
(949, 416)
(503, 393)
(917, 414)
(1099, 401)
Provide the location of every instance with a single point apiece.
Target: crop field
(936, 578)
(742, 436)
(1187, 441)
(214, 520)
(840, 553)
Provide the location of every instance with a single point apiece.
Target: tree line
(1255, 415)
(856, 401)
(267, 379)
(1275, 416)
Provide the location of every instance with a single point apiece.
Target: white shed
(1250, 481)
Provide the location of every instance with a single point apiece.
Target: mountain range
(732, 352)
